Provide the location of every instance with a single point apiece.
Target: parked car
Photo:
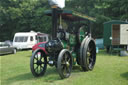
(6, 48)
(40, 45)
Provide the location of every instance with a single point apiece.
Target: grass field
(109, 70)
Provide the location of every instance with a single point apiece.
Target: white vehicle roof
(25, 34)
(29, 33)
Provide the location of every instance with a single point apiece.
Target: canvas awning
(71, 15)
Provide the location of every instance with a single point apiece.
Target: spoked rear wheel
(64, 64)
(89, 56)
(38, 63)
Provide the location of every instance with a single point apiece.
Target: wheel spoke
(91, 56)
(88, 55)
(41, 57)
(42, 62)
(35, 57)
(36, 69)
(91, 59)
(64, 70)
(90, 65)
(68, 69)
(62, 64)
(41, 66)
(88, 49)
(65, 56)
(35, 63)
(68, 59)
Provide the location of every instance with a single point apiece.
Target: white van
(26, 40)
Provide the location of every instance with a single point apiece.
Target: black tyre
(88, 55)
(38, 63)
(77, 60)
(81, 50)
(14, 51)
(64, 64)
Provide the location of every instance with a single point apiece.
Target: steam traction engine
(68, 46)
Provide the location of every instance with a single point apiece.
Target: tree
(26, 15)
(22, 15)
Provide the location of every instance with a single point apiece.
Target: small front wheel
(38, 63)
(64, 64)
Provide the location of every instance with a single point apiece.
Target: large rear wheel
(64, 64)
(38, 63)
(88, 56)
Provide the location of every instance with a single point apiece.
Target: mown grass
(109, 70)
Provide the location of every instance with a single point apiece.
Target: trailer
(26, 40)
(116, 36)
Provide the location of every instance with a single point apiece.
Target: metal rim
(38, 63)
(64, 64)
(89, 55)
(81, 49)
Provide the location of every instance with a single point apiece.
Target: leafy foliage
(26, 15)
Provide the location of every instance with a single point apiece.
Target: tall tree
(26, 15)
(22, 15)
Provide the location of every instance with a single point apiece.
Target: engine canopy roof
(71, 15)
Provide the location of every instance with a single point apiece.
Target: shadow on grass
(76, 69)
(21, 77)
(125, 75)
(50, 76)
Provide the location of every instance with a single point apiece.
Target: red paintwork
(37, 47)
